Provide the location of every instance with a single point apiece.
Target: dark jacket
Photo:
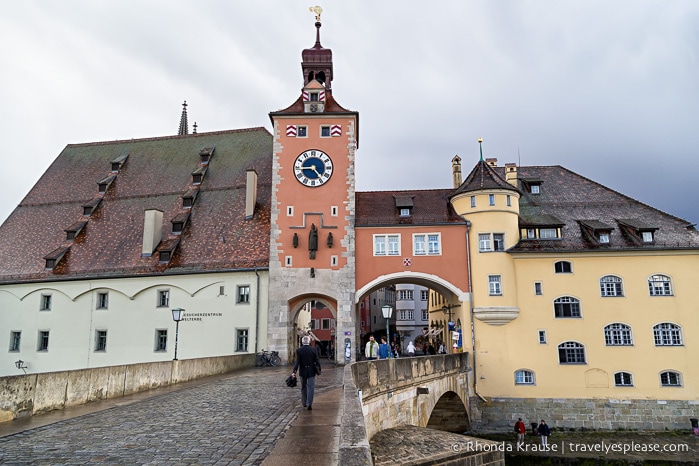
(544, 430)
(306, 358)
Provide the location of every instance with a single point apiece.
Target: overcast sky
(606, 88)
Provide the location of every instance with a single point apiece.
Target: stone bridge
(425, 391)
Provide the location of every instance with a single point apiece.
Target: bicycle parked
(268, 358)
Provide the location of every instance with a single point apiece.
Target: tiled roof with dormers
(578, 201)
(483, 176)
(156, 174)
(430, 207)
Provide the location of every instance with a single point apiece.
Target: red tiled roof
(158, 171)
(430, 207)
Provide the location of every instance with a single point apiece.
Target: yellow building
(582, 302)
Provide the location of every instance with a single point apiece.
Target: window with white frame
(163, 298)
(670, 379)
(617, 334)
(405, 314)
(542, 337)
(667, 334)
(483, 242)
(538, 290)
(419, 245)
(623, 379)
(325, 324)
(563, 267)
(424, 294)
(386, 245)
(241, 341)
(498, 242)
(548, 233)
(100, 340)
(102, 300)
(524, 377)
(494, 285)
(610, 285)
(473, 201)
(427, 244)
(425, 314)
(571, 352)
(566, 306)
(434, 244)
(43, 341)
(45, 303)
(491, 199)
(647, 236)
(243, 294)
(509, 201)
(161, 339)
(405, 295)
(660, 285)
(301, 131)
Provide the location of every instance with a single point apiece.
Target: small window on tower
(313, 96)
(325, 131)
(301, 132)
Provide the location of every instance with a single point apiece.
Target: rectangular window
(333, 211)
(287, 261)
(548, 233)
(473, 201)
(498, 242)
(419, 245)
(102, 300)
(290, 211)
(491, 199)
(623, 379)
(647, 236)
(313, 324)
(405, 295)
(405, 314)
(15, 338)
(542, 337)
(163, 298)
(325, 324)
(405, 212)
(161, 340)
(243, 294)
(509, 201)
(494, 288)
(325, 131)
(531, 233)
(100, 340)
(241, 341)
(535, 189)
(434, 244)
(484, 242)
(45, 304)
(604, 238)
(424, 294)
(537, 289)
(43, 343)
(425, 315)
(386, 245)
(333, 261)
(301, 132)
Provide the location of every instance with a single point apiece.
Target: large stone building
(560, 288)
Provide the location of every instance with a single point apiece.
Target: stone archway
(319, 308)
(449, 414)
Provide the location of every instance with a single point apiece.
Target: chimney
(456, 171)
(152, 231)
(492, 162)
(250, 193)
(511, 173)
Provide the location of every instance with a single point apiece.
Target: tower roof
(483, 176)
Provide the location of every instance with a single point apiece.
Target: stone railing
(25, 395)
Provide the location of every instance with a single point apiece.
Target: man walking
(521, 430)
(306, 360)
(372, 349)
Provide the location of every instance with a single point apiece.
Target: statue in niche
(313, 241)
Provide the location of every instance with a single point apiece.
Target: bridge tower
(313, 207)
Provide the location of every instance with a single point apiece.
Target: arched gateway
(331, 245)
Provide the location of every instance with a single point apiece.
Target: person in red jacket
(521, 430)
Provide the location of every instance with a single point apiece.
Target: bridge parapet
(405, 391)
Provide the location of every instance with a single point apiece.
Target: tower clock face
(313, 168)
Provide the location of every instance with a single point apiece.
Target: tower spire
(480, 144)
(184, 126)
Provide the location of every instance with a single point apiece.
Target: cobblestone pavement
(230, 420)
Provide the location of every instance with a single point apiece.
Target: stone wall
(500, 414)
(25, 395)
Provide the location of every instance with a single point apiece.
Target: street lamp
(387, 311)
(177, 314)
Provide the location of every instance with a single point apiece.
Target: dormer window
(167, 250)
(206, 154)
(313, 96)
(603, 237)
(118, 162)
(638, 231)
(179, 222)
(74, 230)
(90, 207)
(647, 236)
(198, 174)
(104, 183)
(405, 212)
(189, 198)
(596, 231)
(535, 189)
(532, 186)
(404, 204)
(54, 257)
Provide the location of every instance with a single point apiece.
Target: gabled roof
(429, 207)
(574, 200)
(483, 176)
(155, 176)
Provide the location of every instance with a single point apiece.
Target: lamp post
(387, 311)
(177, 314)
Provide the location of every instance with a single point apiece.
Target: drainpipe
(470, 306)
(257, 312)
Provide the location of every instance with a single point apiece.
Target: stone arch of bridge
(449, 414)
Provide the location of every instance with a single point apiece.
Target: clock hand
(311, 167)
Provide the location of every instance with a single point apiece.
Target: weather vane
(317, 10)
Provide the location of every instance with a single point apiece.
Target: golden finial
(317, 10)
(480, 140)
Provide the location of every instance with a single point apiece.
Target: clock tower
(313, 205)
